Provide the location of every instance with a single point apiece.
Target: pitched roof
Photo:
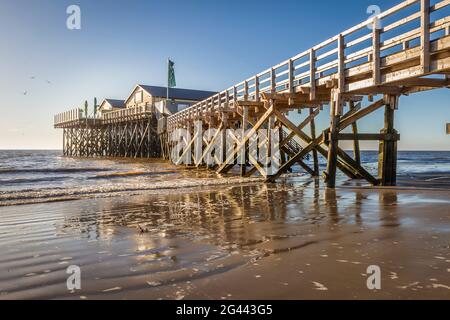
(176, 93)
(116, 103)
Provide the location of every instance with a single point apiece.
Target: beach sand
(290, 240)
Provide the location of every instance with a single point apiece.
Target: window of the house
(138, 97)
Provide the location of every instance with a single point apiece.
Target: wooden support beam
(269, 151)
(381, 89)
(359, 170)
(297, 99)
(387, 163)
(312, 115)
(224, 167)
(286, 166)
(303, 124)
(345, 122)
(249, 103)
(425, 82)
(210, 144)
(291, 126)
(356, 149)
(312, 144)
(244, 128)
(251, 158)
(301, 163)
(330, 175)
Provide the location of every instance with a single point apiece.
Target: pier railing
(127, 114)
(358, 58)
(66, 117)
(75, 116)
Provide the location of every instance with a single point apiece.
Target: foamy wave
(50, 170)
(129, 174)
(30, 180)
(60, 194)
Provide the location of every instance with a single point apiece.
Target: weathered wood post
(64, 142)
(281, 138)
(244, 150)
(335, 115)
(269, 150)
(224, 126)
(356, 149)
(387, 162)
(313, 137)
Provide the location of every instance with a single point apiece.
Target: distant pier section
(125, 128)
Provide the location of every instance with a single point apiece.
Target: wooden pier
(353, 74)
(129, 132)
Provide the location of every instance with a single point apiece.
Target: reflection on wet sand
(218, 242)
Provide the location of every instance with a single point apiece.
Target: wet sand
(291, 240)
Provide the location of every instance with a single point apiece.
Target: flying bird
(25, 93)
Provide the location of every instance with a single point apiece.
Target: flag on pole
(171, 82)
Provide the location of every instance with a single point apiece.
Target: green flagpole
(171, 82)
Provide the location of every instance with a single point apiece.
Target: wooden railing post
(425, 35)
(376, 71)
(291, 80)
(341, 63)
(227, 100)
(257, 88)
(291, 76)
(273, 80)
(245, 90)
(312, 74)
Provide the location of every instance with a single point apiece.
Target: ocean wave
(5, 182)
(64, 194)
(130, 174)
(52, 170)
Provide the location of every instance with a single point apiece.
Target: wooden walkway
(403, 50)
(364, 63)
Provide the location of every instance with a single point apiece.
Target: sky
(214, 44)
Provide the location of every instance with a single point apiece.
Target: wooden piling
(335, 116)
(312, 125)
(387, 163)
